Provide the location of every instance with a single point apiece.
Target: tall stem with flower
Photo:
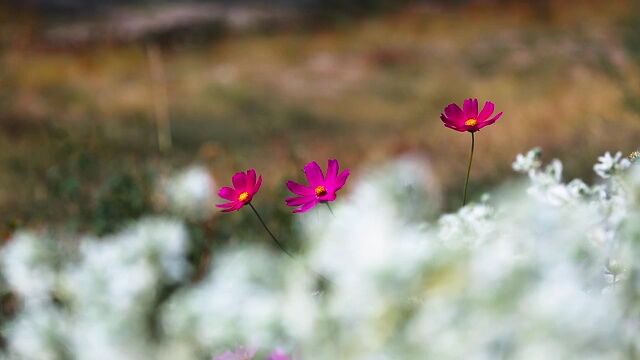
(468, 119)
(245, 186)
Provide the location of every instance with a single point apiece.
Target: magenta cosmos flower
(278, 354)
(321, 189)
(468, 118)
(245, 186)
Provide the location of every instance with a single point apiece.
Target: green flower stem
(270, 233)
(466, 182)
(330, 209)
(275, 239)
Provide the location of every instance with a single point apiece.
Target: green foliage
(120, 199)
(631, 30)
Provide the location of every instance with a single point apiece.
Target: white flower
(28, 264)
(530, 161)
(610, 165)
(190, 193)
(553, 275)
(38, 333)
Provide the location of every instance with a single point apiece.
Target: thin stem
(281, 246)
(466, 182)
(269, 231)
(330, 209)
(160, 97)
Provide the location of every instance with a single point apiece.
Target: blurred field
(79, 144)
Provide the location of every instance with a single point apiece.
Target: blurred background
(99, 99)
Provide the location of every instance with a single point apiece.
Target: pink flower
(321, 189)
(278, 354)
(241, 353)
(245, 186)
(468, 118)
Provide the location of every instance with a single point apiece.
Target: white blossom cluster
(610, 165)
(546, 269)
(28, 265)
(96, 303)
(189, 194)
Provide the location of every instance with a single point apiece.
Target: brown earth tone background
(95, 102)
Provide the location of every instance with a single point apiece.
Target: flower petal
(239, 181)
(490, 121)
(251, 180)
(226, 205)
(257, 185)
(297, 201)
(231, 206)
(329, 196)
(452, 123)
(470, 108)
(236, 207)
(342, 179)
(227, 193)
(454, 113)
(455, 127)
(299, 189)
(314, 174)
(332, 169)
(306, 207)
(487, 110)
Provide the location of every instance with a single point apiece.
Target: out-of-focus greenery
(77, 126)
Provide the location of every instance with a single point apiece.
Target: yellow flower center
(471, 122)
(243, 197)
(321, 190)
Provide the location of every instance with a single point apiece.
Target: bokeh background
(100, 98)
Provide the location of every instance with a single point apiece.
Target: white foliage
(609, 165)
(189, 193)
(543, 270)
(108, 292)
(28, 265)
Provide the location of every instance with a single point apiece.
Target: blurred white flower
(28, 263)
(548, 270)
(37, 333)
(530, 161)
(609, 165)
(190, 193)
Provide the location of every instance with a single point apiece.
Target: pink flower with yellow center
(468, 118)
(245, 186)
(321, 189)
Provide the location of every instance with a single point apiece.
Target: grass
(78, 142)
